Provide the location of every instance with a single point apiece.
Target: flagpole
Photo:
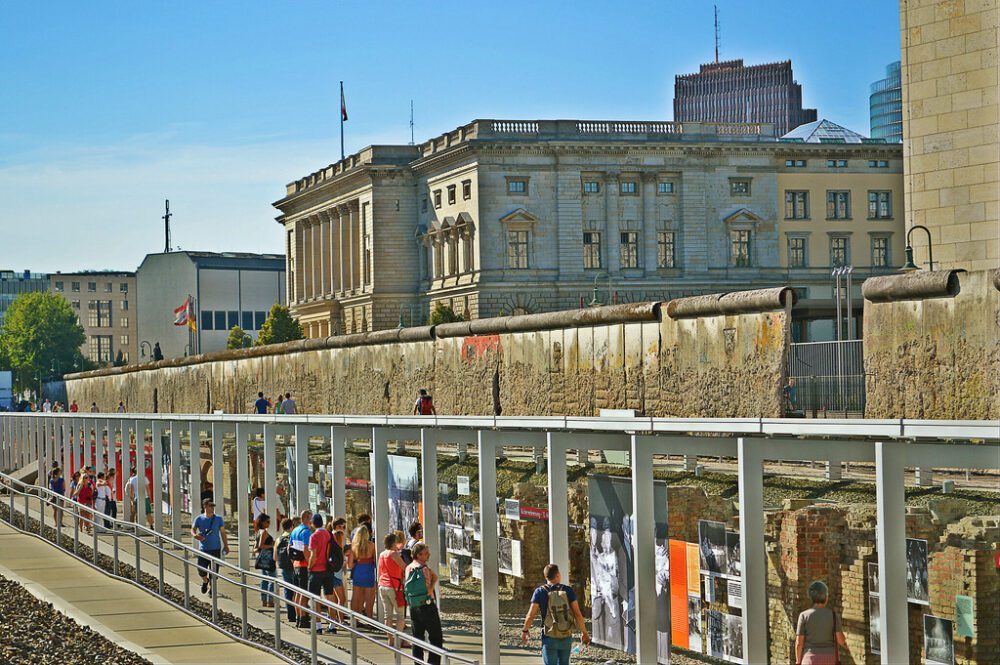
(341, 120)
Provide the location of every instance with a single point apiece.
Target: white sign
(512, 509)
(477, 569)
(734, 590)
(442, 488)
(463, 485)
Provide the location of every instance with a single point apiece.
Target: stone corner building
(524, 216)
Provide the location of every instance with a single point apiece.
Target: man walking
(132, 490)
(260, 406)
(210, 531)
(424, 406)
(557, 604)
(419, 591)
(298, 542)
(320, 576)
(288, 405)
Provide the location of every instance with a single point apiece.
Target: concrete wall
(929, 354)
(722, 360)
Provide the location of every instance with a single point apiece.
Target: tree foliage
(239, 339)
(443, 313)
(279, 327)
(41, 337)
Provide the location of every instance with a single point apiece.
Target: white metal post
(271, 475)
(338, 454)
(558, 501)
(157, 499)
(242, 513)
(79, 429)
(644, 553)
(302, 467)
(175, 479)
(429, 493)
(753, 558)
(67, 444)
(194, 443)
(218, 468)
(139, 514)
(890, 460)
(380, 481)
(489, 545)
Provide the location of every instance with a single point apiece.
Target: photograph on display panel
(733, 553)
(458, 542)
(611, 560)
(694, 623)
(455, 570)
(715, 634)
(874, 629)
(712, 547)
(916, 571)
(732, 639)
(404, 492)
(873, 578)
(939, 645)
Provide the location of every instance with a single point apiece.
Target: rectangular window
(739, 186)
(878, 164)
(75, 304)
(123, 340)
(665, 249)
(437, 198)
(451, 194)
(795, 163)
(739, 248)
(92, 287)
(591, 187)
(258, 320)
(99, 347)
(838, 205)
(796, 252)
(466, 190)
(207, 321)
(628, 186)
(220, 320)
(517, 249)
(665, 187)
(233, 319)
(879, 205)
(59, 286)
(75, 287)
(796, 205)
(108, 287)
(247, 323)
(124, 305)
(103, 313)
(836, 163)
(839, 251)
(92, 314)
(517, 185)
(123, 287)
(123, 322)
(880, 252)
(628, 252)
(591, 250)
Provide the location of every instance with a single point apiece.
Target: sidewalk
(121, 612)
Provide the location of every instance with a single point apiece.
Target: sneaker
(204, 587)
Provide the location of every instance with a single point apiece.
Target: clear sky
(106, 109)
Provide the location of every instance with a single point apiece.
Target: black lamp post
(909, 265)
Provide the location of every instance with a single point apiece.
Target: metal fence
(829, 377)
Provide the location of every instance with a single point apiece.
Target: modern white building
(228, 288)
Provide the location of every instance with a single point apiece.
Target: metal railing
(830, 376)
(247, 581)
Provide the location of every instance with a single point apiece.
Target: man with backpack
(324, 557)
(424, 406)
(418, 589)
(284, 561)
(557, 604)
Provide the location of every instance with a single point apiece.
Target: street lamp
(143, 345)
(595, 301)
(909, 265)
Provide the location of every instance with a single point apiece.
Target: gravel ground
(34, 633)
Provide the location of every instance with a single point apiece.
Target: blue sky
(107, 108)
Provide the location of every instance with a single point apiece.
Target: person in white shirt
(46, 406)
(132, 489)
(288, 405)
(258, 504)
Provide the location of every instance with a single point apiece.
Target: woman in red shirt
(85, 494)
(390, 585)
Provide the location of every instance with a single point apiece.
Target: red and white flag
(185, 315)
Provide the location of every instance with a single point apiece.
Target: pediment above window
(743, 216)
(519, 217)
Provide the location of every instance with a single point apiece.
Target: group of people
(58, 407)
(97, 492)
(282, 404)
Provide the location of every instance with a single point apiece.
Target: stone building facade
(950, 129)
(512, 217)
(105, 304)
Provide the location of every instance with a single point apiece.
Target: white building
(229, 289)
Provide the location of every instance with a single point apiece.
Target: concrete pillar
(429, 493)
(753, 558)
(890, 460)
(271, 476)
(338, 453)
(380, 480)
(558, 501)
(834, 469)
(79, 427)
(218, 476)
(644, 553)
(242, 513)
(194, 438)
(140, 469)
(175, 480)
(157, 500)
(924, 477)
(302, 467)
(489, 546)
(352, 241)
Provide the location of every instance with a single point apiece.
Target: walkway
(121, 612)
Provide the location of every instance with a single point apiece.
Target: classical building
(229, 289)
(104, 302)
(885, 104)
(13, 284)
(502, 217)
(729, 91)
(950, 121)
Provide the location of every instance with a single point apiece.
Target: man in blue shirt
(58, 486)
(260, 406)
(209, 530)
(555, 650)
(298, 544)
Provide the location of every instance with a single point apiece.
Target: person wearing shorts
(209, 530)
(299, 542)
(320, 578)
(390, 584)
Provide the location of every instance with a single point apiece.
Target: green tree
(279, 327)
(444, 314)
(41, 337)
(238, 339)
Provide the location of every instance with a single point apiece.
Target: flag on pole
(185, 315)
(192, 317)
(343, 104)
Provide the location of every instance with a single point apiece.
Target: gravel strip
(35, 633)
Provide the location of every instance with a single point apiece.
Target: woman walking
(85, 496)
(390, 585)
(363, 574)
(265, 562)
(819, 634)
(101, 495)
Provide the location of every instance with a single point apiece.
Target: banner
(404, 492)
(678, 594)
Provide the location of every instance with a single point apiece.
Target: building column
(610, 260)
(342, 248)
(300, 261)
(558, 503)
(647, 248)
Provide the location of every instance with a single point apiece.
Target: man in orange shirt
(320, 578)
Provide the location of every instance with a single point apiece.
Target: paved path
(121, 612)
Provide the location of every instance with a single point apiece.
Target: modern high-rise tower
(886, 105)
(728, 91)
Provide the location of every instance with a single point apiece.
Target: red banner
(678, 594)
(356, 484)
(527, 512)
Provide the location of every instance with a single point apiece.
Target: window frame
(592, 250)
(437, 198)
(736, 183)
(804, 263)
(452, 194)
(834, 238)
(518, 249)
(832, 204)
(591, 187)
(466, 190)
(628, 250)
(628, 187)
(887, 251)
(793, 198)
(666, 250)
(875, 204)
(512, 181)
(736, 239)
(665, 187)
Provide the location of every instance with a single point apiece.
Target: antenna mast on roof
(166, 226)
(716, 33)
(411, 122)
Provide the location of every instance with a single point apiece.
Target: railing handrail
(132, 530)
